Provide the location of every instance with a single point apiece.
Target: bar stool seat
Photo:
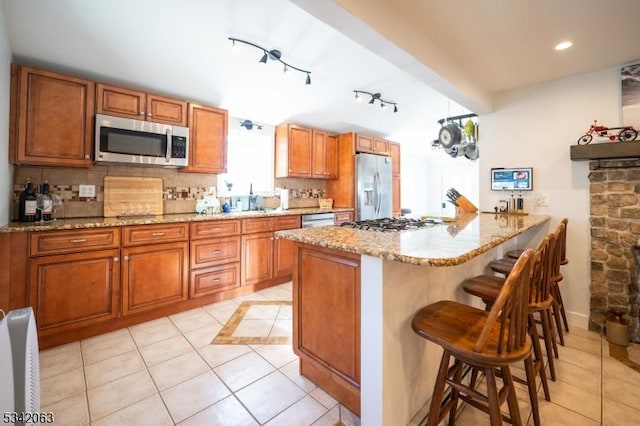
(502, 266)
(514, 254)
(483, 340)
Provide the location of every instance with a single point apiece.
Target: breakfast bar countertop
(100, 222)
(446, 244)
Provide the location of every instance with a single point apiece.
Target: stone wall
(615, 231)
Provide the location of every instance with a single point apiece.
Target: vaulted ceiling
(429, 56)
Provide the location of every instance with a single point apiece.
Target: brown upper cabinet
(112, 100)
(394, 151)
(207, 139)
(51, 118)
(305, 153)
(372, 145)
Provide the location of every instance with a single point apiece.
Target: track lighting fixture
(375, 97)
(249, 125)
(274, 55)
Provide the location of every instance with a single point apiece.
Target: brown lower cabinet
(154, 275)
(326, 320)
(85, 282)
(73, 290)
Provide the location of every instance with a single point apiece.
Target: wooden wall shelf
(605, 151)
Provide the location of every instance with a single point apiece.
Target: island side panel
(326, 321)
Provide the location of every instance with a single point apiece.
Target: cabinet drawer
(286, 222)
(149, 234)
(212, 280)
(214, 252)
(215, 228)
(342, 217)
(57, 242)
(263, 224)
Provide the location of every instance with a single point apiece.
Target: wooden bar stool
(488, 287)
(563, 261)
(504, 266)
(482, 340)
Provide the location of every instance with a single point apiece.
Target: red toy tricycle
(622, 134)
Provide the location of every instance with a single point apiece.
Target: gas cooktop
(391, 224)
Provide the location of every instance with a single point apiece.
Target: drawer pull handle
(78, 240)
(216, 279)
(157, 234)
(217, 251)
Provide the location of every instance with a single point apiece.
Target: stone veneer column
(615, 231)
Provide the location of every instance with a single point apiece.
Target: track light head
(372, 100)
(264, 58)
(308, 80)
(395, 108)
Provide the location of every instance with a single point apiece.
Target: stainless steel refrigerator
(373, 186)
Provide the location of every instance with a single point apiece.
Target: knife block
(466, 206)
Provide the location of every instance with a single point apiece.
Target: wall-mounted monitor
(520, 179)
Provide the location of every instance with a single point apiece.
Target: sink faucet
(252, 198)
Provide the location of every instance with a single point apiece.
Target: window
(249, 159)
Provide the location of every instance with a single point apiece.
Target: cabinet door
(394, 152)
(207, 140)
(283, 252)
(75, 290)
(153, 276)
(299, 152)
(120, 102)
(166, 110)
(332, 156)
(319, 155)
(381, 146)
(257, 257)
(364, 143)
(395, 203)
(51, 118)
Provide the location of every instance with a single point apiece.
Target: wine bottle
(47, 205)
(27, 209)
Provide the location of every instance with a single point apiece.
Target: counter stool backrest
(540, 289)
(510, 308)
(563, 241)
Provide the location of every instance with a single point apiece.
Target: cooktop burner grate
(390, 224)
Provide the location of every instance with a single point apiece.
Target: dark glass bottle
(27, 211)
(47, 205)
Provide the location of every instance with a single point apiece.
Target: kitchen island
(355, 292)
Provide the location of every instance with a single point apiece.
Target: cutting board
(132, 196)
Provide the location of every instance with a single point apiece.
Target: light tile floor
(167, 372)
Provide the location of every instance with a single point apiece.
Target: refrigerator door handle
(378, 194)
(375, 194)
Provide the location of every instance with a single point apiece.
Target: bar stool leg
(457, 377)
(548, 342)
(537, 352)
(558, 297)
(438, 391)
(494, 400)
(512, 398)
(531, 384)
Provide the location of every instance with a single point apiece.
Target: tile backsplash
(180, 190)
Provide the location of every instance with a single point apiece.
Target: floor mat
(226, 335)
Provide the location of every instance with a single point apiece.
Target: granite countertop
(100, 222)
(447, 244)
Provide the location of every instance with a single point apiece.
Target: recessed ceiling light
(563, 45)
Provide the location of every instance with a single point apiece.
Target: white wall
(535, 126)
(6, 169)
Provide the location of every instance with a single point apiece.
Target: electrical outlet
(87, 191)
(541, 199)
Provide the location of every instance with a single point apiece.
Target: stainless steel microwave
(143, 143)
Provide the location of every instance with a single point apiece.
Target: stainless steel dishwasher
(317, 219)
